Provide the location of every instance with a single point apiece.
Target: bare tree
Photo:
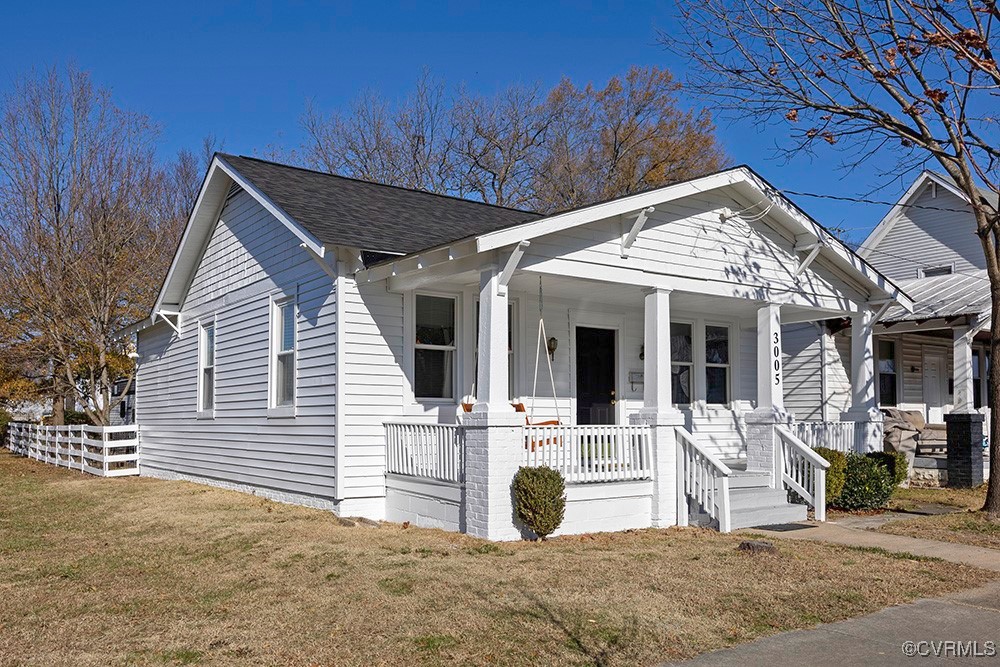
(522, 147)
(88, 219)
(915, 77)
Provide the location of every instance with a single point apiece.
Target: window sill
(283, 412)
(206, 414)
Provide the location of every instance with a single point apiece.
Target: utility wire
(859, 200)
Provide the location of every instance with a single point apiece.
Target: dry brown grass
(139, 571)
(964, 527)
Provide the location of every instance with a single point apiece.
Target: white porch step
(741, 479)
(757, 504)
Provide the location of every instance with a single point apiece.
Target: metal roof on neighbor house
(349, 212)
(953, 295)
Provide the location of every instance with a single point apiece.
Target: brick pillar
(663, 443)
(965, 449)
(494, 446)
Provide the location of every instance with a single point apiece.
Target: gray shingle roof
(345, 211)
(944, 296)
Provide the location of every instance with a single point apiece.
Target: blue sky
(243, 71)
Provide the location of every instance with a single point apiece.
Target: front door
(595, 376)
(933, 396)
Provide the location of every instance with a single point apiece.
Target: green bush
(836, 474)
(868, 485)
(540, 499)
(895, 463)
(5, 418)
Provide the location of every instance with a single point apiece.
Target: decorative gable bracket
(628, 238)
(813, 250)
(165, 315)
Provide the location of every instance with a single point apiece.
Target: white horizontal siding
(922, 237)
(250, 255)
(802, 361)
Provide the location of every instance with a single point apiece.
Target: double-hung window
(206, 372)
(434, 347)
(283, 353)
(716, 364)
(681, 362)
(887, 373)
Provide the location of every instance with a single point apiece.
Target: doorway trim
(599, 320)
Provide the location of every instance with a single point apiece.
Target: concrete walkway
(971, 617)
(834, 533)
(900, 635)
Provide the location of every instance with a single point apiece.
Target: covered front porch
(664, 400)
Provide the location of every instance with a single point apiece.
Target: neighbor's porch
(623, 359)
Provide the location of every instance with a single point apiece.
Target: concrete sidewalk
(880, 638)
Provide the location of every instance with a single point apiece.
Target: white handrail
(702, 477)
(803, 470)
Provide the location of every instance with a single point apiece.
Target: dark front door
(595, 376)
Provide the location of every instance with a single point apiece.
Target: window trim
(454, 348)
(277, 302)
(203, 326)
(693, 364)
(897, 352)
(728, 326)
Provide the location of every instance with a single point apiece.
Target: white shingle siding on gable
(924, 238)
(250, 256)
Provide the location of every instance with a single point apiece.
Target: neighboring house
(123, 414)
(316, 337)
(934, 358)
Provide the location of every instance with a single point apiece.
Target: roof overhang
(219, 178)
(808, 233)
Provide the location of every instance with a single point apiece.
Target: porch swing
(541, 344)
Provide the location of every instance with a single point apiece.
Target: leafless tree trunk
(915, 77)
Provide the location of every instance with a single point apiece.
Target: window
(206, 388)
(977, 381)
(937, 271)
(717, 364)
(283, 353)
(887, 373)
(434, 347)
(681, 362)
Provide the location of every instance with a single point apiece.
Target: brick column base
(762, 445)
(663, 443)
(965, 449)
(494, 451)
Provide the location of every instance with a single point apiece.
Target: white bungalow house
(316, 338)
(932, 358)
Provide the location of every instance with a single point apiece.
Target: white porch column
(864, 408)
(493, 436)
(658, 410)
(762, 445)
(962, 369)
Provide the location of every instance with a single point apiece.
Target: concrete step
(740, 479)
(757, 497)
(766, 516)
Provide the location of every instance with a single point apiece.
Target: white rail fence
(107, 451)
(591, 453)
(847, 437)
(703, 478)
(435, 451)
(803, 470)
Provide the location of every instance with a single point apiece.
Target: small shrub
(540, 499)
(836, 474)
(895, 463)
(868, 485)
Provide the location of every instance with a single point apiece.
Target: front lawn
(144, 572)
(965, 526)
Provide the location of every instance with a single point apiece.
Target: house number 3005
(776, 352)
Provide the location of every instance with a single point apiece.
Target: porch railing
(434, 451)
(842, 436)
(106, 451)
(703, 478)
(803, 470)
(591, 453)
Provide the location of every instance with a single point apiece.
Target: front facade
(399, 355)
